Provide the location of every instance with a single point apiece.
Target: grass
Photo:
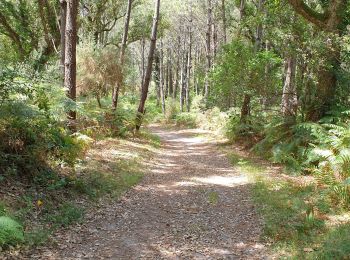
(296, 216)
(213, 197)
(110, 169)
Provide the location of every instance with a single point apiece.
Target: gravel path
(191, 205)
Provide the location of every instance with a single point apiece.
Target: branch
(12, 34)
(318, 19)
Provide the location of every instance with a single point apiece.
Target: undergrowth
(297, 216)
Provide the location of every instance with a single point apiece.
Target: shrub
(186, 120)
(31, 141)
(11, 232)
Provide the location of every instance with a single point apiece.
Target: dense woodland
(273, 76)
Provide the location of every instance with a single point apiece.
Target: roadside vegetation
(79, 80)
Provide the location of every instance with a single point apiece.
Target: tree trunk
(215, 39)
(144, 91)
(183, 82)
(161, 78)
(170, 74)
(157, 75)
(245, 111)
(121, 58)
(142, 67)
(177, 83)
(70, 57)
(331, 20)
(224, 26)
(63, 18)
(326, 88)
(289, 98)
(189, 67)
(208, 50)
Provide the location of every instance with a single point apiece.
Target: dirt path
(191, 205)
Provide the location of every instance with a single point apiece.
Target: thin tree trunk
(121, 58)
(161, 78)
(166, 76)
(224, 26)
(144, 91)
(70, 57)
(177, 83)
(215, 39)
(170, 72)
(208, 45)
(157, 75)
(189, 66)
(183, 81)
(63, 17)
(142, 70)
(245, 111)
(289, 98)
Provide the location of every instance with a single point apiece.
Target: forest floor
(191, 204)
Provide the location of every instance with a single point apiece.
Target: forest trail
(192, 204)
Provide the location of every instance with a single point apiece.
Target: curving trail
(192, 204)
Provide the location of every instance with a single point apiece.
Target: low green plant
(37, 237)
(11, 232)
(185, 120)
(334, 245)
(213, 197)
(66, 214)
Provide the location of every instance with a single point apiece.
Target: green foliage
(240, 71)
(186, 120)
(65, 215)
(98, 71)
(32, 141)
(11, 232)
(97, 184)
(335, 244)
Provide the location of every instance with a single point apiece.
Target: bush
(31, 141)
(11, 232)
(186, 120)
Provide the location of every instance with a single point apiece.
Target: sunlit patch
(220, 251)
(186, 183)
(188, 140)
(121, 154)
(228, 181)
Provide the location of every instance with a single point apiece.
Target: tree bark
(63, 18)
(157, 75)
(170, 73)
(161, 78)
(208, 49)
(330, 20)
(70, 57)
(189, 66)
(13, 35)
(144, 91)
(245, 111)
(122, 58)
(224, 26)
(178, 77)
(289, 98)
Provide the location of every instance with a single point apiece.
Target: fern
(11, 232)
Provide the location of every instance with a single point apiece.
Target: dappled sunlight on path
(192, 204)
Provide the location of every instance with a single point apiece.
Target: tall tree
(208, 48)
(145, 86)
(63, 18)
(70, 57)
(122, 57)
(289, 97)
(330, 20)
(224, 22)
